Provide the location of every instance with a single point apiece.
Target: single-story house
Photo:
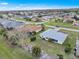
(47, 18)
(77, 48)
(68, 19)
(23, 17)
(30, 28)
(76, 23)
(36, 19)
(56, 36)
(76, 17)
(10, 23)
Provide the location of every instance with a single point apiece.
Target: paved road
(27, 22)
(59, 28)
(56, 28)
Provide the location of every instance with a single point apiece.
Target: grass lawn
(7, 52)
(54, 48)
(61, 24)
(26, 20)
(20, 19)
(72, 36)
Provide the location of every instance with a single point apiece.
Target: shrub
(33, 38)
(36, 51)
(50, 40)
(60, 56)
(34, 33)
(68, 48)
(2, 31)
(13, 39)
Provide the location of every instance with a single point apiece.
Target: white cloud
(32, 7)
(4, 3)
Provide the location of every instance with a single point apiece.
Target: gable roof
(77, 47)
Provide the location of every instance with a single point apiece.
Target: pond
(10, 23)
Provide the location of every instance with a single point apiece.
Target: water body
(10, 23)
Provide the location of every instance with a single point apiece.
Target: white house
(77, 48)
(57, 37)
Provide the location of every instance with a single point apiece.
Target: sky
(37, 4)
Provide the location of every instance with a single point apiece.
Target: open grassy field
(54, 48)
(7, 52)
(61, 24)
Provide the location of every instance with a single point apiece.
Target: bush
(36, 51)
(2, 31)
(50, 40)
(13, 39)
(43, 27)
(68, 48)
(33, 38)
(27, 19)
(60, 56)
(14, 43)
(34, 33)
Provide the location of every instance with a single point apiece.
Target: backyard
(54, 48)
(7, 52)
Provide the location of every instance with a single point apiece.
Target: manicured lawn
(20, 19)
(61, 24)
(26, 20)
(72, 36)
(7, 52)
(54, 48)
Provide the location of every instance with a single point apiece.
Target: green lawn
(26, 20)
(7, 52)
(72, 36)
(20, 19)
(54, 48)
(61, 24)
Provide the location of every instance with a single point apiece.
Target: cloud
(4, 3)
(32, 7)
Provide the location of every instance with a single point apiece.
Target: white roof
(77, 47)
(53, 34)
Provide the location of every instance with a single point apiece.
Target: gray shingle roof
(54, 35)
(10, 23)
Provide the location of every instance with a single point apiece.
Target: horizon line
(40, 9)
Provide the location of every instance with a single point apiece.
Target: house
(26, 17)
(47, 18)
(77, 48)
(23, 17)
(56, 36)
(7, 23)
(37, 19)
(30, 28)
(76, 17)
(76, 23)
(68, 19)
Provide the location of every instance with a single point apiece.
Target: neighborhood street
(56, 28)
(59, 28)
